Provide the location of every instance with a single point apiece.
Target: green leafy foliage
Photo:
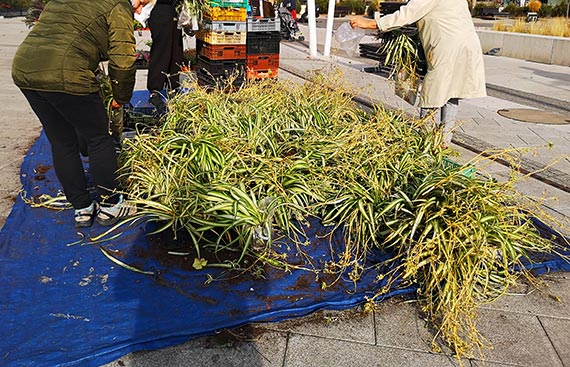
(236, 170)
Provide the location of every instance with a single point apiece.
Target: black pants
(64, 117)
(166, 51)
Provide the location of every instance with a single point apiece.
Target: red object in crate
(221, 52)
(262, 66)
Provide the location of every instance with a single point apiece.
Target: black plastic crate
(223, 82)
(222, 68)
(263, 42)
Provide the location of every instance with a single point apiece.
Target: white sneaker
(84, 217)
(111, 214)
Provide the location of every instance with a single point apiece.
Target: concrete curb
(530, 47)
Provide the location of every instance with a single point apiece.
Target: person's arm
(363, 23)
(122, 52)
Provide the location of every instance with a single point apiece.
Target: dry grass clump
(558, 27)
(236, 170)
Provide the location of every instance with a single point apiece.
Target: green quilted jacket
(63, 50)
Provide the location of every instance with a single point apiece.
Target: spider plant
(402, 50)
(236, 170)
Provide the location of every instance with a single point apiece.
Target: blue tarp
(69, 305)
(65, 304)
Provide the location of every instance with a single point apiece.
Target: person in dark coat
(55, 68)
(166, 51)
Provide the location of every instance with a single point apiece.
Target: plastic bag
(186, 19)
(407, 86)
(348, 38)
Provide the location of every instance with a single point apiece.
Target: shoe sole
(89, 223)
(108, 222)
(83, 225)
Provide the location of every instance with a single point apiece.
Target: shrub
(355, 6)
(559, 10)
(515, 10)
(478, 9)
(17, 4)
(534, 5)
(545, 11)
(372, 7)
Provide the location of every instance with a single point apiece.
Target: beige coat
(452, 48)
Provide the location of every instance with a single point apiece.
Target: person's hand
(363, 23)
(115, 105)
(139, 4)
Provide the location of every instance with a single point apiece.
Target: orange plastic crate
(262, 66)
(220, 52)
(263, 61)
(261, 74)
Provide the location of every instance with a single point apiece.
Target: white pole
(261, 8)
(312, 27)
(330, 21)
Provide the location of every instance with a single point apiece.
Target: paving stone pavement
(526, 327)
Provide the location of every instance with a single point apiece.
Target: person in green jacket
(55, 68)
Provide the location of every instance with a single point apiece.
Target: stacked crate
(221, 44)
(263, 40)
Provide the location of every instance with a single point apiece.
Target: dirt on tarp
(40, 172)
(171, 258)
